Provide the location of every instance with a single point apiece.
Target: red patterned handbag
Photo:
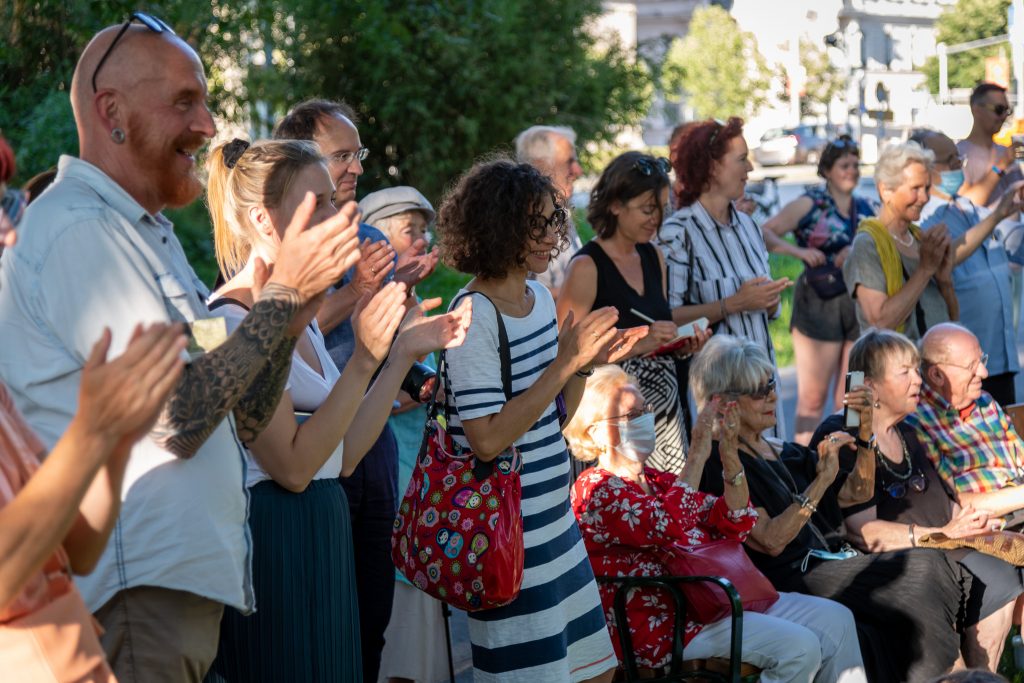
(458, 535)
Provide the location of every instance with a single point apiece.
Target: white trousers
(800, 639)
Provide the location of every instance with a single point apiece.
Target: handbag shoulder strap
(504, 355)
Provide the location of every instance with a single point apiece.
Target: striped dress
(555, 630)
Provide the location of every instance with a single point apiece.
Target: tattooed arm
(233, 376)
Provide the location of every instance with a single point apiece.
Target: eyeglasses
(648, 166)
(631, 415)
(760, 392)
(347, 158)
(997, 109)
(557, 220)
(972, 368)
(152, 23)
(917, 483)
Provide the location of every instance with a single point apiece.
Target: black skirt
(306, 627)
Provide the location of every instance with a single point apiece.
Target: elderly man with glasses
(983, 251)
(966, 434)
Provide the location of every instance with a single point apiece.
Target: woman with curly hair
(716, 255)
(621, 268)
(501, 221)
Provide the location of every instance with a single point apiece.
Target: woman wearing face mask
(824, 323)
(628, 510)
(981, 270)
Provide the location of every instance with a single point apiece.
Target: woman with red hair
(717, 260)
(12, 203)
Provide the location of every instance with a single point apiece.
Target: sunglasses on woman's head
(844, 142)
(648, 166)
(719, 125)
(898, 489)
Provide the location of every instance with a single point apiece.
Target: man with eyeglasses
(965, 432)
(98, 255)
(981, 273)
(986, 163)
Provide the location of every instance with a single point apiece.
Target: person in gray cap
(403, 215)
(552, 151)
(414, 639)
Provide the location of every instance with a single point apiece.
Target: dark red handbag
(458, 535)
(706, 602)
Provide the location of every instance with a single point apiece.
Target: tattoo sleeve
(214, 384)
(258, 403)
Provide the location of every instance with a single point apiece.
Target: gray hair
(728, 364)
(873, 351)
(896, 157)
(537, 143)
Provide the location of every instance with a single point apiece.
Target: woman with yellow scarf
(899, 276)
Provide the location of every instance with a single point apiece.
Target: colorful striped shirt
(977, 454)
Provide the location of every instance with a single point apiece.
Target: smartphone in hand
(851, 418)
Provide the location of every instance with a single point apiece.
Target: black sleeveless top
(613, 290)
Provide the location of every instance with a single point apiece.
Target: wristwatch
(998, 171)
(736, 479)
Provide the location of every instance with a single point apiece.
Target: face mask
(951, 181)
(636, 438)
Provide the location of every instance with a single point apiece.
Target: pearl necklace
(905, 244)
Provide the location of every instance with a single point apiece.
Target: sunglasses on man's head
(648, 166)
(154, 24)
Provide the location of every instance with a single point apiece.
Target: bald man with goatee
(96, 252)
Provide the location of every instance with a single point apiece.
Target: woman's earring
(877, 404)
(117, 135)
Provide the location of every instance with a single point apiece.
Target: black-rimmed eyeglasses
(648, 166)
(152, 23)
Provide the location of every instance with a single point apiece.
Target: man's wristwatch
(736, 479)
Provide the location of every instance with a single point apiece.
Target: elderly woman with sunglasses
(798, 638)
(824, 323)
(621, 268)
(910, 500)
(716, 254)
(906, 602)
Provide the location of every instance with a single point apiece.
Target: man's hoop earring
(117, 135)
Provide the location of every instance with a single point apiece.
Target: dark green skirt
(306, 627)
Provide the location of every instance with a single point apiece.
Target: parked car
(799, 145)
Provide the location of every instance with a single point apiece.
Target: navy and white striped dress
(555, 630)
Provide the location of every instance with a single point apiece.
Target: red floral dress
(622, 526)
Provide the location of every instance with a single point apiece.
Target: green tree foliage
(437, 83)
(717, 66)
(823, 80)
(965, 21)
(440, 83)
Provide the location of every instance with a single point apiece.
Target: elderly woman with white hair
(906, 602)
(900, 276)
(798, 638)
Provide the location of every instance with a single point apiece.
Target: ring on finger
(832, 439)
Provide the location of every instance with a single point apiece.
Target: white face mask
(636, 438)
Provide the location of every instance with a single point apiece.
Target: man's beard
(158, 160)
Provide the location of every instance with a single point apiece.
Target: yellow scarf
(885, 245)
